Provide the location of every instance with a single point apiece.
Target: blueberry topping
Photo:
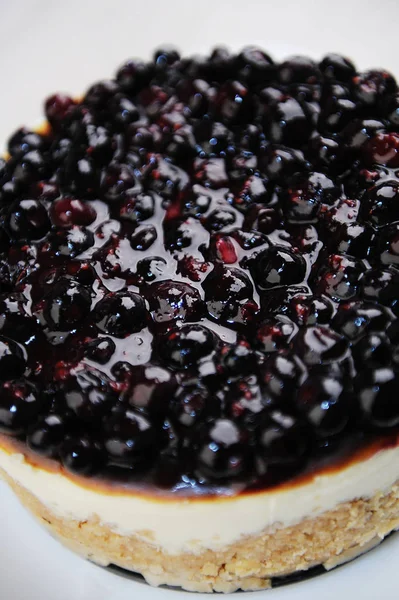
(199, 271)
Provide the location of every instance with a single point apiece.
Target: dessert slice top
(198, 271)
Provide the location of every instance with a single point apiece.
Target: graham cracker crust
(332, 538)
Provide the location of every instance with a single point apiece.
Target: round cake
(199, 292)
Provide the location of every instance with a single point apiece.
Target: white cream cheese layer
(195, 524)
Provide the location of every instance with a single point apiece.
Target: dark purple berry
(67, 305)
(100, 350)
(186, 346)
(378, 397)
(67, 212)
(20, 405)
(171, 300)
(88, 394)
(324, 402)
(82, 455)
(371, 87)
(281, 440)
(47, 434)
(57, 108)
(222, 451)
(131, 441)
(120, 313)
(278, 266)
(335, 67)
(73, 241)
(12, 359)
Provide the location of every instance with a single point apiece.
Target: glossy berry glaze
(199, 271)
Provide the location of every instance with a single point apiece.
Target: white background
(48, 46)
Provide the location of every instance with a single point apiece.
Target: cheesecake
(199, 344)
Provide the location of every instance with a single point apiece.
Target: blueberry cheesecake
(199, 292)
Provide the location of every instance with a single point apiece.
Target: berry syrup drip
(199, 271)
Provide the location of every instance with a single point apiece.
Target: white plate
(48, 46)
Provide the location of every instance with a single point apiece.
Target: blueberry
(190, 404)
(67, 305)
(88, 394)
(337, 114)
(143, 237)
(164, 57)
(24, 141)
(120, 313)
(288, 123)
(99, 95)
(282, 162)
(310, 310)
(123, 112)
(281, 376)
(321, 346)
(80, 176)
(186, 346)
(382, 286)
(278, 266)
(100, 350)
(72, 242)
(20, 404)
(340, 278)
(138, 208)
(371, 87)
(116, 180)
(275, 334)
(298, 69)
(151, 268)
(355, 319)
(255, 66)
(222, 451)
(47, 434)
(12, 359)
(381, 204)
(382, 149)
(151, 388)
(31, 167)
(227, 291)
(335, 67)
(67, 212)
(238, 360)
(27, 220)
(372, 351)
(378, 397)
(170, 301)
(16, 323)
(281, 440)
(326, 405)
(219, 220)
(131, 440)
(82, 455)
(134, 75)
